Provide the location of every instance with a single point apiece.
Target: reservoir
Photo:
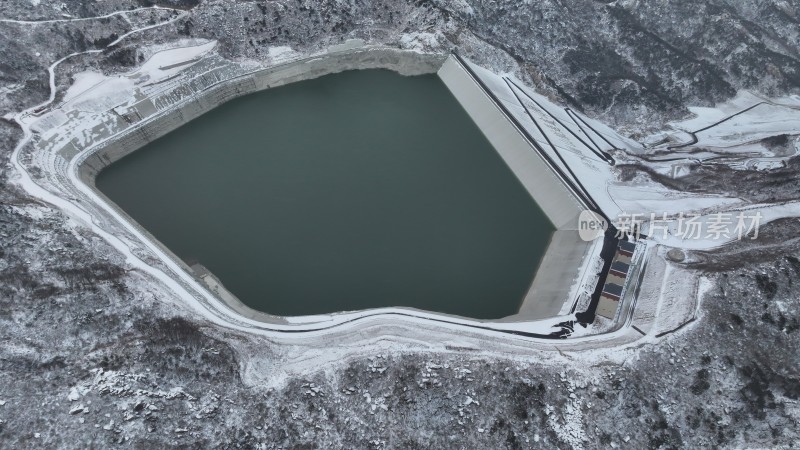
(358, 190)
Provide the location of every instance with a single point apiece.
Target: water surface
(356, 190)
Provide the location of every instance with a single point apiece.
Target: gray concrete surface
(550, 193)
(560, 265)
(163, 110)
(557, 274)
(208, 94)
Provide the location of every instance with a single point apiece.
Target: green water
(357, 190)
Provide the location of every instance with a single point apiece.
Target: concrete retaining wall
(550, 193)
(559, 266)
(557, 274)
(140, 134)
(159, 124)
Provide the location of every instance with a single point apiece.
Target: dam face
(358, 190)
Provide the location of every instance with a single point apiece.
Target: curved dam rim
(431, 219)
(93, 158)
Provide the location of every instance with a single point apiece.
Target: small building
(615, 280)
(627, 246)
(612, 289)
(619, 269)
(607, 307)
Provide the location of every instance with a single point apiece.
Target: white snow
(91, 92)
(574, 136)
(421, 41)
(166, 63)
(74, 395)
(82, 82)
(281, 53)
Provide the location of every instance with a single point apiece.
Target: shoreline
(84, 164)
(151, 127)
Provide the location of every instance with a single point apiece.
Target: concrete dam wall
(560, 272)
(551, 194)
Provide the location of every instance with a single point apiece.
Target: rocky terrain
(92, 355)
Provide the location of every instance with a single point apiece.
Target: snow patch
(281, 53)
(422, 42)
(82, 82)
